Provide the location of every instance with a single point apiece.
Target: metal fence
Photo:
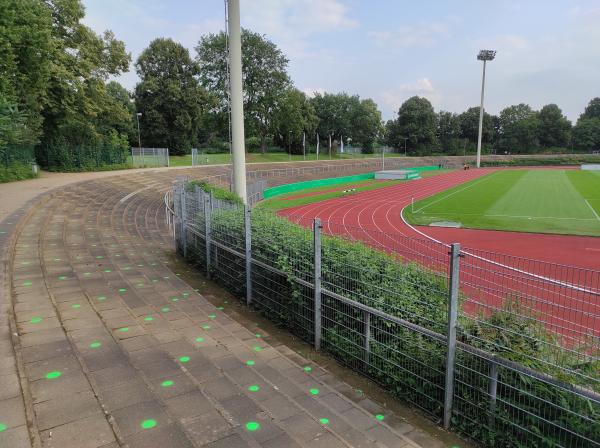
(475, 340)
(16, 154)
(149, 157)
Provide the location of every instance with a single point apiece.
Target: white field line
(592, 209)
(520, 271)
(457, 191)
(512, 216)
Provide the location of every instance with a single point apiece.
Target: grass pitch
(541, 201)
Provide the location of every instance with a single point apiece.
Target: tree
(469, 126)
(554, 128)
(367, 125)
(295, 115)
(14, 129)
(264, 79)
(169, 96)
(519, 127)
(586, 134)
(417, 122)
(592, 110)
(448, 131)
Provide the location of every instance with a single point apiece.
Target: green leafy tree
(592, 110)
(171, 100)
(448, 131)
(554, 128)
(586, 134)
(264, 78)
(417, 122)
(469, 126)
(347, 116)
(295, 115)
(519, 127)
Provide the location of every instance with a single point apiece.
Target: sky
(548, 51)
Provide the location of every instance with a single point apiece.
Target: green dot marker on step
(220, 308)
(257, 349)
(174, 299)
(35, 320)
(253, 388)
(185, 294)
(206, 327)
(101, 298)
(99, 257)
(62, 277)
(257, 335)
(314, 391)
(380, 417)
(307, 369)
(148, 318)
(148, 424)
(53, 375)
(252, 426)
(76, 306)
(199, 339)
(184, 359)
(250, 363)
(3, 427)
(122, 289)
(27, 283)
(165, 309)
(123, 329)
(95, 344)
(87, 273)
(167, 383)
(108, 270)
(324, 421)
(212, 316)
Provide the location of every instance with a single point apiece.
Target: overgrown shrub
(537, 409)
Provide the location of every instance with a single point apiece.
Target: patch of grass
(15, 171)
(541, 201)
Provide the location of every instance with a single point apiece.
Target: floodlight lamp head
(139, 114)
(486, 55)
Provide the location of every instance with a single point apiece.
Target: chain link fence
(149, 157)
(501, 349)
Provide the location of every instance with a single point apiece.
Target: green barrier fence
(288, 188)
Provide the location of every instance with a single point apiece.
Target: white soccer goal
(149, 157)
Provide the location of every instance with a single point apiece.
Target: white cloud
(419, 35)
(291, 23)
(423, 87)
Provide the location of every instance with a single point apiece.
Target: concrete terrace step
(119, 351)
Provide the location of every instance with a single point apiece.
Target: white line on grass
(457, 191)
(592, 209)
(508, 216)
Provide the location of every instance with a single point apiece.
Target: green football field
(545, 201)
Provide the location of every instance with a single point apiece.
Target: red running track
(554, 277)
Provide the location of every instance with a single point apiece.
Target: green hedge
(408, 364)
(15, 171)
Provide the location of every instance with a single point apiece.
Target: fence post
(451, 334)
(367, 343)
(207, 217)
(183, 220)
(317, 279)
(493, 390)
(248, 240)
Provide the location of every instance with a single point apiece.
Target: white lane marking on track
(124, 198)
(457, 191)
(520, 271)
(592, 209)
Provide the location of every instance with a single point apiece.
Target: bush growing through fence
(527, 411)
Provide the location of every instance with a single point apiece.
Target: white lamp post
(484, 55)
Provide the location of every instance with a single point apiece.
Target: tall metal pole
(481, 117)
(137, 116)
(238, 151)
(382, 158)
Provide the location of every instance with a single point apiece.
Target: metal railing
(149, 157)
(475, 345)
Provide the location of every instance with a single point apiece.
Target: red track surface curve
(536, 268)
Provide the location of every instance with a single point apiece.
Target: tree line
(517, 129)
(56, 94)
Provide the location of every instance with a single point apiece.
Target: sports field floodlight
(484, 55)
(137, 117)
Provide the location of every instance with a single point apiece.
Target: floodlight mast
(238, 152)
(484, 55)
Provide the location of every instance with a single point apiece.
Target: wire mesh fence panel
(523, 370)
(16, 154)
(283, 273)
(149, 157)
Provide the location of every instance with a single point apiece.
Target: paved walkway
(103, 345)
